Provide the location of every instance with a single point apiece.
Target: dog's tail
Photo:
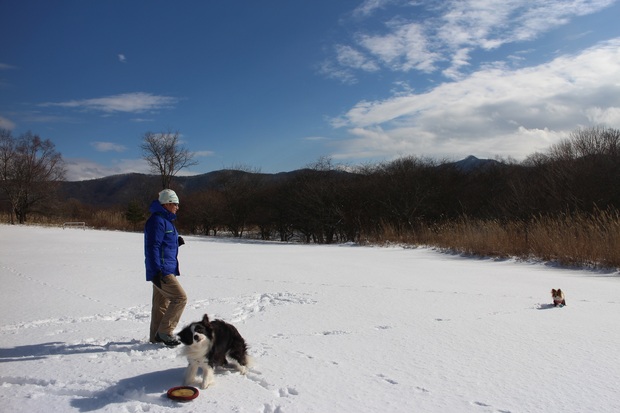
(250, 361)
(244, 368)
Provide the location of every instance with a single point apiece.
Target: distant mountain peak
(471, 163)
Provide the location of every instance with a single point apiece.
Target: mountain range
(125, 188)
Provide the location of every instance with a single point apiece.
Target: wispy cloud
(334, 71)
(108, 147)
(352, 58)
(203, 153)
(315, 138)
(35, 116)
(6, 123)
(403, 48)
(138, 102)
(447, 33)
(368, 7)
(79, 169)
(502, 111)
(122, 58)
(83, 169)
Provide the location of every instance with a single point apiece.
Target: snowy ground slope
(332, 329)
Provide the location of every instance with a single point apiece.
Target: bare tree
(588, 142)
(165, 155)
(407, 189)
(318, 197)
(240, 187)
(30, 167)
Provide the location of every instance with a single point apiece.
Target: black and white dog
(207, 344)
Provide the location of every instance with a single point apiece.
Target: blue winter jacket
(161, 242)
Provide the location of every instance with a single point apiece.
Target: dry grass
(579, 239)
(103, 219)
(110, 220)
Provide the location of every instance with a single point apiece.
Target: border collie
(558, 297)
(208, 344)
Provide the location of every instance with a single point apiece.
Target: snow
(331, 328)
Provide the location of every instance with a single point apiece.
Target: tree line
(326, 204)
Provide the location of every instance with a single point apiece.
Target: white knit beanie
(168, 196)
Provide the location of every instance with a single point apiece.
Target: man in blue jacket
(161, 247)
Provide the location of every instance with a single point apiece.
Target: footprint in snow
(387, 379)
(255, 377)
(270, 408)
(288, 391)
(258, 303)
(481, 404)
(333, 333)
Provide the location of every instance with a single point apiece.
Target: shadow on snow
(44, 350)
(147, 388)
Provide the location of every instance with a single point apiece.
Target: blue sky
(275, 85)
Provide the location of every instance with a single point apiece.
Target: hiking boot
(167, 340)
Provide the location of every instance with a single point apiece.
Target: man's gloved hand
(181, 241)
(157, 279)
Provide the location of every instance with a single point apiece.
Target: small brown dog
(558, 298)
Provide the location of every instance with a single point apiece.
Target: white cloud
(108, 147)
(542, 16)
(203, 153)
(6, 123)
(333, 71)
(350, 57)
(315, 138)
(459, 59)
(138, 102)
(368, 7)
(495, 110)
(450, 31)
(604, 116)
(83, 169)
(404, 48)
(122, 58)
(79, 169)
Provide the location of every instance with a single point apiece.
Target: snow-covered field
(332, 329)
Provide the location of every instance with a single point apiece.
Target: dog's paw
(243, 370)
(207, 381)
(204, 385)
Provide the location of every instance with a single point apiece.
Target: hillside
(121, 189)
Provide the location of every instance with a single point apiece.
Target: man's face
(171, 207)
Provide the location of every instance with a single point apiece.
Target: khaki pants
(168, 305)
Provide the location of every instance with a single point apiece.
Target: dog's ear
(553, 291)
(205, 320)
